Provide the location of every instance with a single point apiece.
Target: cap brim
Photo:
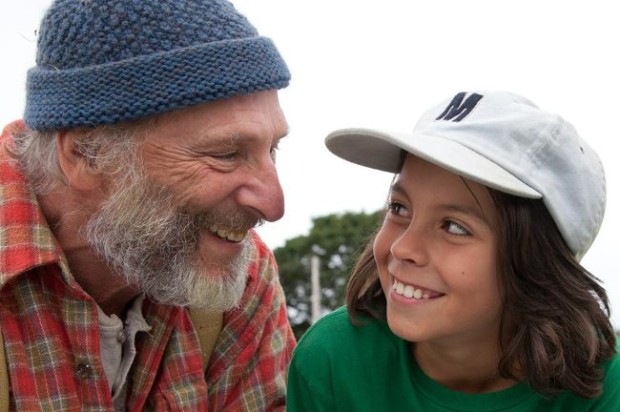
(381, 150)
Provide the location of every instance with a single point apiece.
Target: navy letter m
(457, 109)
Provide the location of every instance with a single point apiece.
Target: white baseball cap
(502, 141)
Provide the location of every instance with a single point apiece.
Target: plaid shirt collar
(26, 240)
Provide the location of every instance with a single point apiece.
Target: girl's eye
(397, 209)
(273, 152)
(455, 229)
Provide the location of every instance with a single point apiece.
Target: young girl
(471, 296)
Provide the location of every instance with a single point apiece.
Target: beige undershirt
(118, 348)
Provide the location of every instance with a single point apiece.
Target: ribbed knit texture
(108, 61)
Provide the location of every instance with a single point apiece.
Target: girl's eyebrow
(396, 187)
(468, 210)
(476, 212)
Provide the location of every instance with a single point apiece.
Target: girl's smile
(413, 292)
(436, 253)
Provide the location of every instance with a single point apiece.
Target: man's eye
(224, 156)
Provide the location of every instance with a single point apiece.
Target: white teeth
(409, 291)
(236, 236)
(231, 235)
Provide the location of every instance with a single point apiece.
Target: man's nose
(264, 193)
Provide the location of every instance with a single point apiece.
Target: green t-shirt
(340, 367)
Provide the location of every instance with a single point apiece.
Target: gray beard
(141, 234)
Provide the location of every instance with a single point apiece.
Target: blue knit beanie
(108, 61)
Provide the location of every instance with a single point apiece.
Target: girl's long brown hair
(555, 330)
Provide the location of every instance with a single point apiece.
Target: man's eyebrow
(234, 136)
(230, 139)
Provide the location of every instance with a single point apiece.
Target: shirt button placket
(83, 370)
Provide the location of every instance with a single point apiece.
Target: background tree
(337, 239)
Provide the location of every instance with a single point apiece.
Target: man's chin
(218, 297)
(220, 286)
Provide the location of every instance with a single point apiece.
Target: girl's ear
(78, 173)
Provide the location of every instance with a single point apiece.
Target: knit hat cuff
(151, 84)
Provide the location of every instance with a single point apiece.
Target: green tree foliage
(337, 239)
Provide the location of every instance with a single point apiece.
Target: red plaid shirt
(51, 333)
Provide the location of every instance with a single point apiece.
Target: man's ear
(79, 174)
